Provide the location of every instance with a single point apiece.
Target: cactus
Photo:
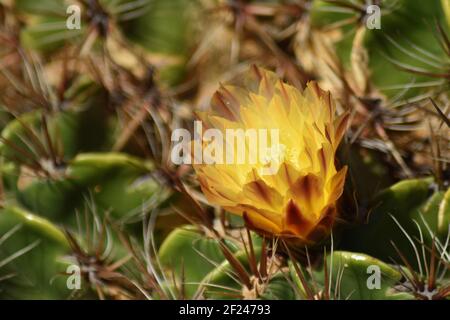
(93, 205)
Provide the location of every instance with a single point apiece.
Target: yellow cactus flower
(299, 198)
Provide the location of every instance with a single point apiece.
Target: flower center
(272, 159)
